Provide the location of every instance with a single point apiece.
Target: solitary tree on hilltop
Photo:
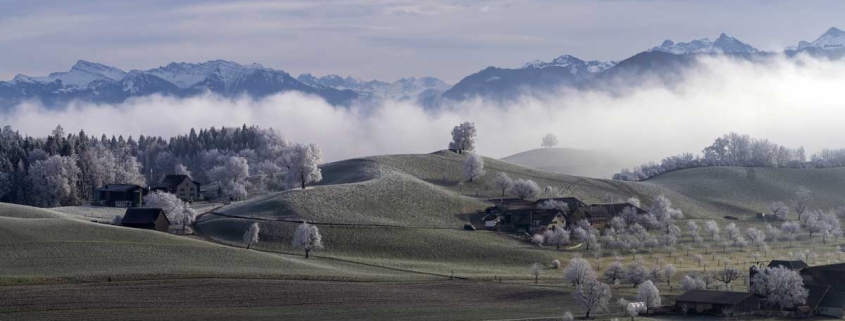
(303, 163)
(307, 237)
(550, 140)
(473, 167)
(463, 137)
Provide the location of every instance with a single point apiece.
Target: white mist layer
(793, 104)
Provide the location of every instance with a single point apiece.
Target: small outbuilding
(146, 218)
(718, 302)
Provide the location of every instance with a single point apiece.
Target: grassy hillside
(570, 161)
(40, 245)
(741, 191)
(424, 205)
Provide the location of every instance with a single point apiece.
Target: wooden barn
(718, 302)
(146, 218)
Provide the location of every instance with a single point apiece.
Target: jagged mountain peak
(575, 64)
(832, 39)
(722, 44)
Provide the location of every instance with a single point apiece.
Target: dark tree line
(738, 150)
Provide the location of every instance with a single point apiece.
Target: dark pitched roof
(571, 202)
(142, 215)
(833, 299)
(617, 208)
(713, 297)
(511, 202)
(592, 213)
(524, 216)
(118, 188)
(172, 181)
(792, 265)
(832, 275)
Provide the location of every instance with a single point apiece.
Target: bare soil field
(244, 299)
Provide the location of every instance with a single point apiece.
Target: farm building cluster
(513, 215)
(132, 198)
(127, 195)
(825, 286)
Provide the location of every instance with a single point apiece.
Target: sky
(383, 39)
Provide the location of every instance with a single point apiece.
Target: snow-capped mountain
(99, 83)
(574, 64)
(832, 40)
(723, 45)
(402, 89)
(81, 74)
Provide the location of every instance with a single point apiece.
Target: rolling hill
(407, 211)
(43, 246)
(570, 161)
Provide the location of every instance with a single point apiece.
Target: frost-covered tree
(698, 258)
(669, 271)
(525, 189)
(251, 235)
(832, 227)
(578, 270)
(307, 237)
(172, 206)
(726, 276)
(801, 202)
(232, 176)
(538, 239)
(790, 230)
(535, 270)
(473, 167)
(779, 210)
(615, 272)
(592, 295)
(636, 272)
(550, 140)
(504, 183)
(187, 216)
(557, 237)
(780, 287)
(303, 165)
(756, 237)
(182, 170)
(689, 283)
(53, 182)
(648, 293)
(813, 223)
(712, 228)
(463, 137)
(772, 233)
(567, 316)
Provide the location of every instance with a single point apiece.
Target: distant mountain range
(88, 81)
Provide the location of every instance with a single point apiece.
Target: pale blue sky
(383, 39)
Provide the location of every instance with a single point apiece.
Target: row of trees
(594, 295)
(64, 169)
(738, 150)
